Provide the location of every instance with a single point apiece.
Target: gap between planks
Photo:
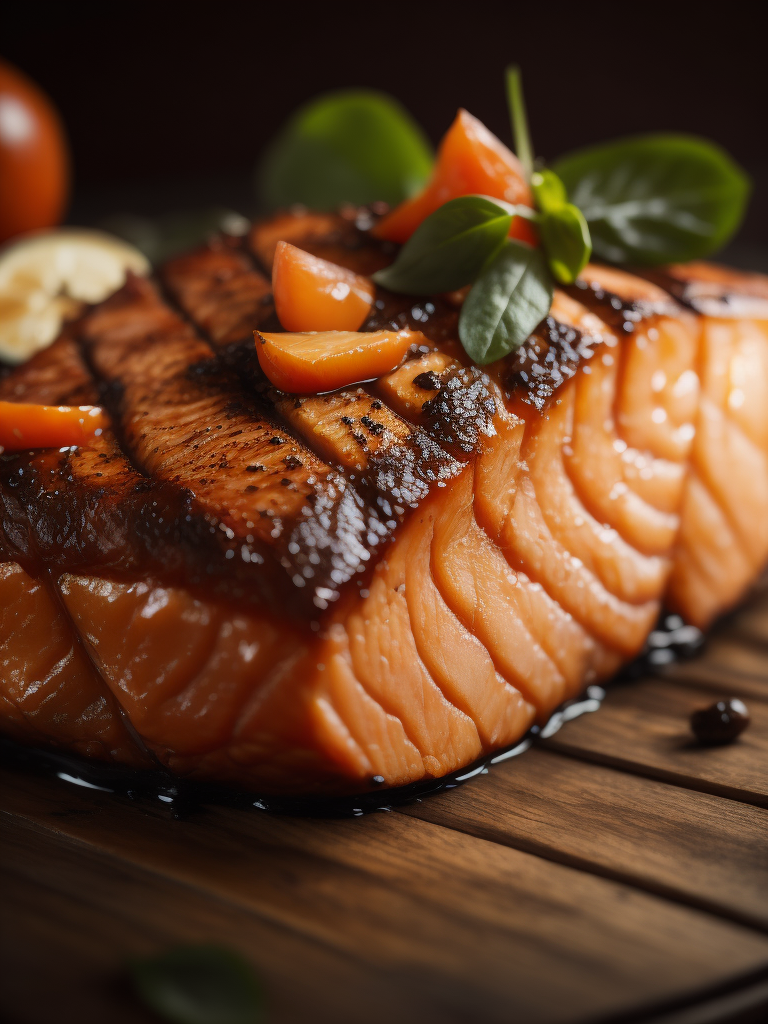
(642, 728)
(493, 810)
(511, 931)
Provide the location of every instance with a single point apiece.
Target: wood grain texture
(73, 916)
(644, 727)
(694, 847)
(614, 872)
(451, 922)
(730, 667)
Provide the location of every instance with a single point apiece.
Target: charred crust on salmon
(461, 413)
(398, 576)
(713, 290)
(549, 358)
(427, 381)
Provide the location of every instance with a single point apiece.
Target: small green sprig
(519, 119)
(465, 242)
(652, 199)
(563, 229)
(450, 248)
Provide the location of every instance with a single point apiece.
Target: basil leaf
(353, 146)
(450, 247)
(566, 240)
(510, 298)
(199, 985)
(656, 198)
(548, 190)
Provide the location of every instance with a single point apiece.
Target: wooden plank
(745, 1005)
(728, 667)
(750, 620)
(734, 660)
(643, 726)
(468, 929)
(80, 915)
(695, 847)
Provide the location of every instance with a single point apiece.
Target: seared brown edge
(116, 510)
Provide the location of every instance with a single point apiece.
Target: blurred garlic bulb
(46, 278)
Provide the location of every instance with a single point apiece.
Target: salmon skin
(335, 594)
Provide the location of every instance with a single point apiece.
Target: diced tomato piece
(325, 360)
(314, 295)
(471, 160)
(23, 425)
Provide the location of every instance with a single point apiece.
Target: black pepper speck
(428, 381)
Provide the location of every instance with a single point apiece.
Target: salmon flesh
(326, 594)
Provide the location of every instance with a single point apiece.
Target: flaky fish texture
(313, 594)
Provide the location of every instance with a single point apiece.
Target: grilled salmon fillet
(330, 593)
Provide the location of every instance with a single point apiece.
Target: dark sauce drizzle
(670, 640)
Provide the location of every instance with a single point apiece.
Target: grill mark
(236, 353)
(28, 477)
(401, 471)
(240, 358)
(408, 475)
(550, 357)
(110, 397)
(172, 364)
(226, 355)
(622, 315)
(424, 459)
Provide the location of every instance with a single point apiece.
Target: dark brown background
(169, 105)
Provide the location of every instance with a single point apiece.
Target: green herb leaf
(566, 240)
(510, 298)
(548, 190)
(199, 985)
(656, 198)
(519, 118)
(450, 247)
(353, 146)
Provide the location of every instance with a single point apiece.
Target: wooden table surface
(615, 872)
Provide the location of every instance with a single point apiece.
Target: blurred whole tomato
(34, 162)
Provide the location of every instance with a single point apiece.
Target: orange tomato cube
(315, 362)
(23, 425)
(314, 295)
(471, 160)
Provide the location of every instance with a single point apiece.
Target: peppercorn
(720, 723)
